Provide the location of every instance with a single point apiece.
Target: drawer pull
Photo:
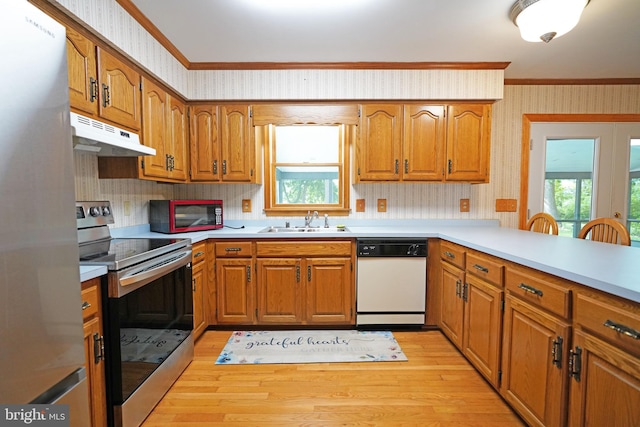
(232, 249)
(85, 305)
(481, 268)
(198, 254)
(530, 289)
(625, 330)
(449, 254)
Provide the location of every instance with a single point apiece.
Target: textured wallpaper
(404, 200)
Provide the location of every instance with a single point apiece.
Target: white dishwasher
(391, 282)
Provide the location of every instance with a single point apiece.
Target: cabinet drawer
(233, 249)
(300, 248)
(452, 253)
(90, 301)
(198, 252)
(617, 321)
(488, 268)
(540, 289)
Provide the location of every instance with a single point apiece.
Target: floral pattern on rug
(316, 346)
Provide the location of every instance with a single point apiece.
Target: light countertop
(610, 268)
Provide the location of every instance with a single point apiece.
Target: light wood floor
(436, 387)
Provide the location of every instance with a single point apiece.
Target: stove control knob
(106, 211)
(94, 211)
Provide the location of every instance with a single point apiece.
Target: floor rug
(313, 346)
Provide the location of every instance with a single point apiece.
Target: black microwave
(183, 216)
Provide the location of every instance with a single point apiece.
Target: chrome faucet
(308, 219)
(326, 220)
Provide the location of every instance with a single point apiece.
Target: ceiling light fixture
(544, 20)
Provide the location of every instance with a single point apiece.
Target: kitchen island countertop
(610, 268)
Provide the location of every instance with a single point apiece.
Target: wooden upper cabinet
(165, 129)
(83, 73)
(237, 149)
(379, 146)
(468, 142)
(119, 87)
(423, 142)
(154, 131)
(100, 85)
(177, 138)
(204, 143)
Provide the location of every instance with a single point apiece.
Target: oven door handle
(156, 270)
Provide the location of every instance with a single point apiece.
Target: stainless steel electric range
(147, 312)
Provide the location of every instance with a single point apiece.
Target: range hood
(106, 140)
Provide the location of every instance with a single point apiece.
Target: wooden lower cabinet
(452, 309)
(235, 291)
(483, 327)
(280, 290)
(94, 351)
(329, 291)
(605, 385)
(534, 363)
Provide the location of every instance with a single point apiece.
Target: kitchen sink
(274, 229)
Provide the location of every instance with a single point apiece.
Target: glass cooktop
(119, 253)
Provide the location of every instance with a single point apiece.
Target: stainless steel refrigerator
(41, 335)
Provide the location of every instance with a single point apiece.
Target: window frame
(267, 117)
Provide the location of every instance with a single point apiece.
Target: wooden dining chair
(606, 230)
(542, 223)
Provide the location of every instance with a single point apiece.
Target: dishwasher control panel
(392, 248)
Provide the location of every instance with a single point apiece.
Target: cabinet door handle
(449, 255)
(623, 329)
(215, 167)
(556, 352)
(450, 165)
(406, 165)
(93, 89)
(224, 167)
(297, 273)
(397, 166)
(308, 274)
(465, 292)
(248, 274)
(458, 283)
(481, 268)
(85, 305)
(193, 285)
(106, 96)
(98, 348)
(575, 363)
(167, 162)
(530, 289)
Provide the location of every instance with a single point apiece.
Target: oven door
(148, 342)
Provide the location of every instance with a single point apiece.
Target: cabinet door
(95, 371)
(198, 280)
(177, 138)
(119, 91)
(379, 147)
(468, 142)
(423, 143)
(280, 292)
(83, 73)
(329, 290)
(205, 146)
(535, 377)
(452, 308)
(238, 152)
(236, 291)
(483, 327)
(154, 132)
(605, 389)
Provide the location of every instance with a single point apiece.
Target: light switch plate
(359, 205)
(382, 205)
(506, 205)
(246, 205)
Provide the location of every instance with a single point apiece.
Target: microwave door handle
(154, 271)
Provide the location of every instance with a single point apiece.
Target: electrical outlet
(382, 205)
(246, 205)
(359, 205)
(464, 205)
